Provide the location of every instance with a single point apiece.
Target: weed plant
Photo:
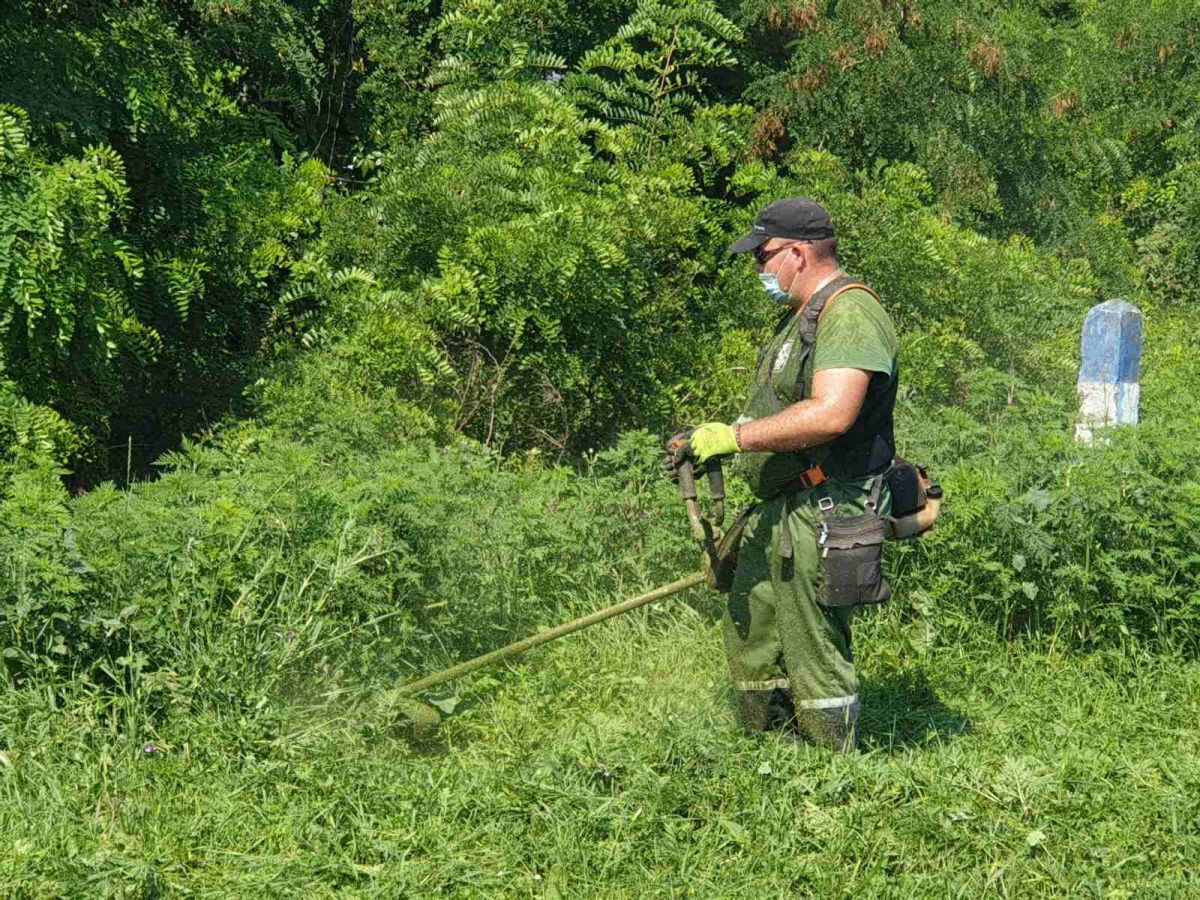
(216, 733)
(470, 260)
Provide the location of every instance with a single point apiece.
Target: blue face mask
(770, 284)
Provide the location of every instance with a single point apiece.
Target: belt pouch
(851, 549)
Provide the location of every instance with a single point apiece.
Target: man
(816, 434)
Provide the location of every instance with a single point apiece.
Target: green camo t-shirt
(856, 333)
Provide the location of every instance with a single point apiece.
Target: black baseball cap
(794, 218)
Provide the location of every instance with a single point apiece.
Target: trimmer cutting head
(420, 717)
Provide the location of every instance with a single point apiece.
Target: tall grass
(612, 766)
(192, 678)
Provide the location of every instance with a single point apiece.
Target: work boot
(835, 728)
(753, 709)
(765, 710)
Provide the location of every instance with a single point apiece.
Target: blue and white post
(1109, 390)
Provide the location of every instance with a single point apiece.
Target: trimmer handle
(686, 472)
(716, 489)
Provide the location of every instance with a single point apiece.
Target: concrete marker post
(1109, 386)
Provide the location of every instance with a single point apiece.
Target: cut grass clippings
(611, 765)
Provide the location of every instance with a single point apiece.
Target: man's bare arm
(836, 401)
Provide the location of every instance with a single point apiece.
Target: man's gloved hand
(701, 444)
(712, 439)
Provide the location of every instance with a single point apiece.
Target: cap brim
(750, 242)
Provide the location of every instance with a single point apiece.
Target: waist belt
(808, 479)
(813, 477)
(817, 475)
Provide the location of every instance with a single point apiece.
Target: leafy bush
(150, 205)
(256, 562)
(66, 281)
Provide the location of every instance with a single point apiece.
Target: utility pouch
(724, 556)
(851, 549)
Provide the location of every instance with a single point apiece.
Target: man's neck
(798, 303)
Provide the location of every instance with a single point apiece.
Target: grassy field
(610, 765)
(343, 346)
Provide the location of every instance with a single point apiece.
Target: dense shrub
(151, 199)
(527, 262)
(258, 560)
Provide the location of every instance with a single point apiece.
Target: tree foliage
(459, 267)
(152, 201)
(649, 78)
(67, 281)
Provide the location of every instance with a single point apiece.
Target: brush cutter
(704, 529)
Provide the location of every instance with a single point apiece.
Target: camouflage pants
(790, 657)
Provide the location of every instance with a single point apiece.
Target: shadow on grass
(900, 711)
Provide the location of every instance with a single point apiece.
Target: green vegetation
(612, 766)
(337, 342)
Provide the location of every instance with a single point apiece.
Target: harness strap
(816, 307)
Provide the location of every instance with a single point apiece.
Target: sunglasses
(762, 257)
